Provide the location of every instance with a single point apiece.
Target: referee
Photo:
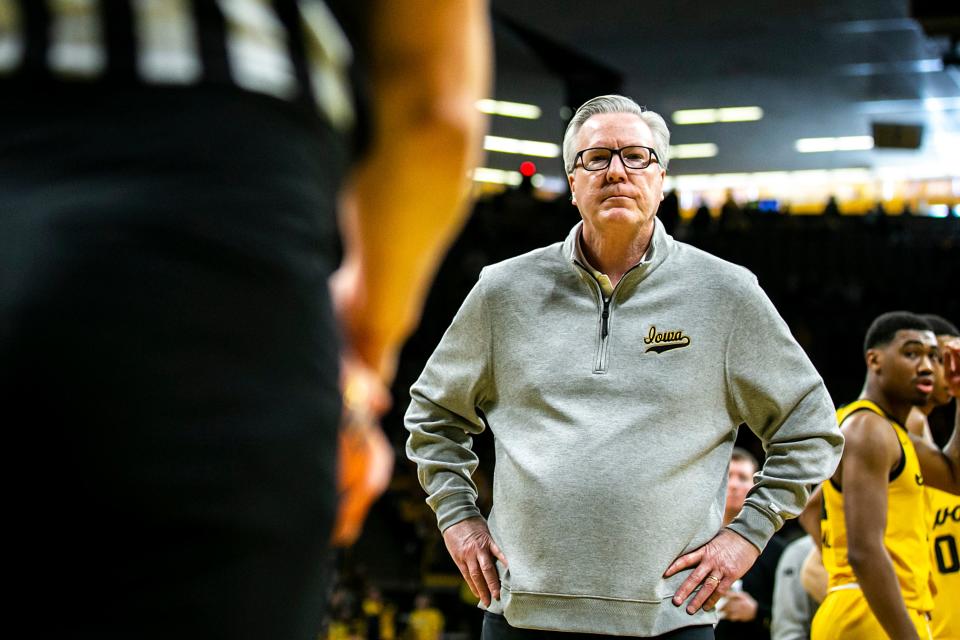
(169, 353)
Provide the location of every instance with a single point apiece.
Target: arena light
(935, 105)
(694, 116)
(522, 147)
(842, 143)
(509, 109)
(769, 179)
(926, 65)
(876, 25)
(938, 211)
(739, 114)
(699, 150)
(496, 176)
(722, 114)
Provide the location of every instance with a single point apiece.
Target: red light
(527, 169)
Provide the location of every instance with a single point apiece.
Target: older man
(614, 369)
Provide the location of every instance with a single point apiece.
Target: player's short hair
(940, 325)
(740, 455)
(885, 327)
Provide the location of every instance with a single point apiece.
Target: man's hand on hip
(472, 547)
(719, 564)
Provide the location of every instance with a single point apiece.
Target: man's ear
(874, 358)
(573, 196)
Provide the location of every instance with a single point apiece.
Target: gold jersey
(905, 537)
(943, 520)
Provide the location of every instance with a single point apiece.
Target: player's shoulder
(868, 434)
(865, 417)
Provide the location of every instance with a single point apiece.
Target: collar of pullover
(660, 246)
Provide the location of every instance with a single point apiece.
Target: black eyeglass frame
(578, 159)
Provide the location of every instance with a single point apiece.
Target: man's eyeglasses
(598, 158)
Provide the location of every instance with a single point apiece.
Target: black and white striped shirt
(294, 50)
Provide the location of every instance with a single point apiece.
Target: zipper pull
(606, 314)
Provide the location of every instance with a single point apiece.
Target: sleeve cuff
(754, 525)
(455, 508)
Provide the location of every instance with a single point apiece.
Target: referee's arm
(430, 63)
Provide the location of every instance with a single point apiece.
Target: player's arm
(814, 575)
(917, 424)
(429, 64)
(871, 451)
(809, 518)
(941, 469)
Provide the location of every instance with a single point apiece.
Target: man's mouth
(924, 385)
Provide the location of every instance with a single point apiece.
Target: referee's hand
(365, 457)
(472, 547)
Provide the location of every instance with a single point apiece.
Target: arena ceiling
(816, 68)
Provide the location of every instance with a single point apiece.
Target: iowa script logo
(665, 341)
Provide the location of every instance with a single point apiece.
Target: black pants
(168, 364)
(495, 627)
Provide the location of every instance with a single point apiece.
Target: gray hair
(616, 104)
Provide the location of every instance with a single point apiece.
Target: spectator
(426, 622)
(745, 612)
(793, 608)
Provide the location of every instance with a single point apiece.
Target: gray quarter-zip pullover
(613, 423)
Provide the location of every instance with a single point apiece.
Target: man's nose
(616, 172)
(925, 365)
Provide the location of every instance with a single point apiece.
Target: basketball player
(943, 511)
(873, 518)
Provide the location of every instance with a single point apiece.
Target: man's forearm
(878, 581)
